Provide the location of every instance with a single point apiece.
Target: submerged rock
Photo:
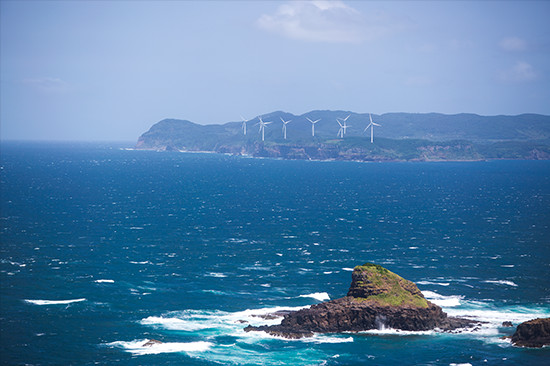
(532, 333)
(151, 343)
(377, 299)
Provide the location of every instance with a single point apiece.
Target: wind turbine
(343, 127)
(371, 125)
(284, 126)
(244, 125)
(313, 126)
(262, 126)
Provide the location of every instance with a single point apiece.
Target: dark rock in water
(533, 333)
(377, 299)
(151, 343)
(507, 324)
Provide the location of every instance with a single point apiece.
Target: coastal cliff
(377, 299)
(401, 137)
(533, 333)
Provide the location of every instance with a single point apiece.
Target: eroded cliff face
(533, 333)
(377, 299)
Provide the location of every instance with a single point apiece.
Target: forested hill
(401, 136)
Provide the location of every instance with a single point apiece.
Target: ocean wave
(502, 282)
(54, 302)
(399, 332)
(104, 281)
(216, 274)
(138, 347)
(320, 296)
(219, 321)
(433, 283)
(442, 300)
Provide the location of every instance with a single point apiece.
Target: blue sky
(108, 70)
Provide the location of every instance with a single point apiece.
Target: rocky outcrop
(533, 333)
(377, 299)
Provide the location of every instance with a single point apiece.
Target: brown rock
(533, 333)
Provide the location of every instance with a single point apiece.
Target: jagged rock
(377, 298)
(151, 343)
(507, 324)
(533, 333)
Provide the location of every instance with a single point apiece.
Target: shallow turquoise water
(188, 248)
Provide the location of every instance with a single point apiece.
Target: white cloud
(47, 84)
(323, 21)
(513, 44)
(520, 72)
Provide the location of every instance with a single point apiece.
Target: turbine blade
(376, 124)
(309, 120)
(370, 118)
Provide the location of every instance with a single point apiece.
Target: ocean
(104, 248)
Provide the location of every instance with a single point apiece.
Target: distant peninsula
(344, 135)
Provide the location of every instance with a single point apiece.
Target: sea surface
(103, 249)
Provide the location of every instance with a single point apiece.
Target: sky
(108, 70)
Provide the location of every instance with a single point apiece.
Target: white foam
(441, 300)
(173, 323)
(433, 283)
(399, 332)
(319, 339)
(320, 296)
(104, 281)
(219, 321)
(502, 282)
(137, 347)
(216, 274)
(347, 269)
(53, 302)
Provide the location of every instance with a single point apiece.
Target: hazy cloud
(323, 21)
(513, 44)
(47, 84)
(520, 72)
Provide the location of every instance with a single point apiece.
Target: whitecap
(54, 302)
(104, 281)
(399, 332)
(227, 322)
(441, 300)
(502, 282)
(319, 339)
(216, 274)
(347, 269)
(433, 283)
(320, 296)
(172, 323)
(137, 347)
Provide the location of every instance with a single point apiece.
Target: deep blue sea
(103, 249)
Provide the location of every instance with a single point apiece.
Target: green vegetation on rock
(372, 282)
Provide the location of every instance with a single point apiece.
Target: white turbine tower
(284, 126)
(343, 127)
(371, 125)
(262, 126)
(313, 126)
(244, 125)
